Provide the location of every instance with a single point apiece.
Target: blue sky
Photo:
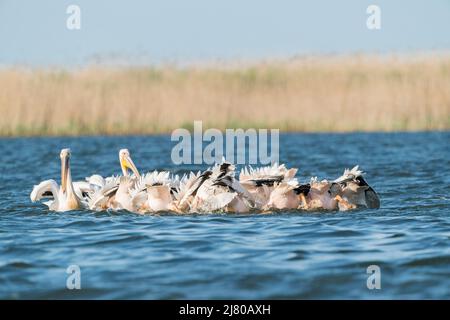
(138, 31)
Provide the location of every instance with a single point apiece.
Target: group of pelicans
(217, 189)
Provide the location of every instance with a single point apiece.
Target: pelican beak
(127, 163)
(64, 171)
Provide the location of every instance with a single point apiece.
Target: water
(286, 255)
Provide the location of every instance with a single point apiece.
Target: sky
(137, 31)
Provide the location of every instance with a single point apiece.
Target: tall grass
(358, 93)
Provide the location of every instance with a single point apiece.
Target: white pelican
(64, 196)
(91, 184)
(154, 192)
(320, 195)
(115, 192)
(217, 189)
(122, 197)
(355, 191)
(261, 182)
(102, 198)
(187, 190)
(126, 163)
(284, 196)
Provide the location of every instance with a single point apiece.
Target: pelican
(216, 189)
(64, 196)
(126, 163)
(101, 198)
(91, 184)
(115, 191)
(154, 192)
(223, 191)
(355, 192)
(274, 187)
(302, 190)
(261, 182)
(187, 190)
(321, 195)
(284, 196)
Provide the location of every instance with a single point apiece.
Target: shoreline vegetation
(306, 94)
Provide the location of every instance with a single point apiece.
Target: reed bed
(339, 94)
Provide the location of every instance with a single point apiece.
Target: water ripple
(279, 255)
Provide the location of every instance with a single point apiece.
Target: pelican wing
(372, 199)
(154, 178)
(284, 187)
(195, 185)
(82, 189)
(349, 175)
(45, 189)
(139, 199)
(233, 184)
(99, 199)
(268, 175)
(217, 202)
(96, 181)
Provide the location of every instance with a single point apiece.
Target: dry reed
(359, 93)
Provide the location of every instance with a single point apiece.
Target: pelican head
(65, 167)
(126, 163)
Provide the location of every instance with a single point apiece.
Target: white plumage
(267, 188)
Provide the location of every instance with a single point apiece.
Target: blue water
(286, 255)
